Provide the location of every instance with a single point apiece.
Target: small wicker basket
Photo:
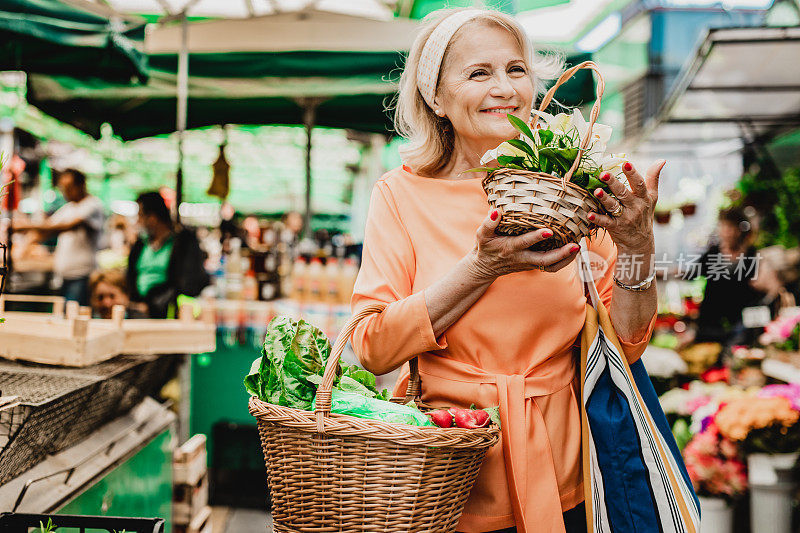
(529, 201)
(337, 473)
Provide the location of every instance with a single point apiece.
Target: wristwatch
(639, 287)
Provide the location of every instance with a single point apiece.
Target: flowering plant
(715, 465)
(767, 423)
(783, 333)
(552, 146)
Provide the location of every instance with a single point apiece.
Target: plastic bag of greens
(355, 404)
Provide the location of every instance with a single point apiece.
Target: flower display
(762, 424)
(551, 146)
(783, 333)
(715, 465)
(791, 392)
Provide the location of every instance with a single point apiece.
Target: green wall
(139, 487)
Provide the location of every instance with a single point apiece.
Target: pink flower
(713, 464)
(695, 403)
(791, 392)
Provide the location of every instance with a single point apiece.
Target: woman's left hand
(632, 228)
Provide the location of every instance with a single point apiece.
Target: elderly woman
(492, 322)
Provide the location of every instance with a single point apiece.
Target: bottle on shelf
(348, 280)
(332, 283)
(298, 280)
(315, 280)
(250, 286)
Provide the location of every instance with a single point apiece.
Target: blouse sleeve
(602, 245)
(384, 341)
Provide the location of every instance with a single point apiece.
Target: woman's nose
(502, 86)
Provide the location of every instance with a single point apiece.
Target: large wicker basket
(334, 473)
(529, 201)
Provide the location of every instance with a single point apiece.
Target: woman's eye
(517, 68)
(477, 73)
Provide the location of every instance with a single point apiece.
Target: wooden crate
(155, 336)
(189, 462)
(200, 524)
(66, 336)
(136, 336)
(188, 501)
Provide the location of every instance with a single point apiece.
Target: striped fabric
(634, 476)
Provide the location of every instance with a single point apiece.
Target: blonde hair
(112, 276)
(431, 138)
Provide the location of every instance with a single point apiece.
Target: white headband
(432, 53)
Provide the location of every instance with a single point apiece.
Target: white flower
(564, 124)
(504, 149)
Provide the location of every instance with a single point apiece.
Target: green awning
(420, 8)
(353, 88)
(249, 88)
(51, 37)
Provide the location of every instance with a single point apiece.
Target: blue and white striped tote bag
(634, 476)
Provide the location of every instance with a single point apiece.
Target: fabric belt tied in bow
(540, 512)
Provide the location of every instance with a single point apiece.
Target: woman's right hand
(496, 255)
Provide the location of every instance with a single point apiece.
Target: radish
(441, 418)
(481, 417)
(465, 419)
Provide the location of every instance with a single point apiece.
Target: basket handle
(323, 405)
(601, 86)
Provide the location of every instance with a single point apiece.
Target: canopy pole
(183, 94)
(309, 118)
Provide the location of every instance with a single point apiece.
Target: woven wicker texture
(335, 473)
(529, 200)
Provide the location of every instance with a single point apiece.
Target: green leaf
(581, 179)
(349, 384)
(560, 158)
(494, 414)
(364, 377)
(252, 382)
(384, 395)
(545, 136)
(483, 169)
(520, 126)
(522, 145)
(594, 183)
(507, 160)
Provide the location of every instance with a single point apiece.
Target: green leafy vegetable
(353, 404)
(292, 352)
(292, 364)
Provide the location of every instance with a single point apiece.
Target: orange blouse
(512, 348)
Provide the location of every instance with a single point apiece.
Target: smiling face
(484, 77)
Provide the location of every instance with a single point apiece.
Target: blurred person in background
(165, 261)
(109, 288)
(728, 266)
(293, 227)
(78, 224)
(778, 274)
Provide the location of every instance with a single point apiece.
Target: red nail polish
(494, 215)
(591, 216)
(574, 249)
(606, 176)
(600, 193)
(546, 234)
(627, 167)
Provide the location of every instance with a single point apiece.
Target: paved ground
(232, 520)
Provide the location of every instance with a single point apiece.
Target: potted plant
(719, 477)
(767, 429)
